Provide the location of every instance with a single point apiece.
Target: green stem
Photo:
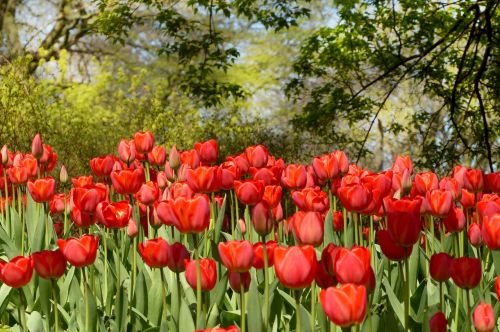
(467, 291)
(297, 310)
(344, 212)
(432, 236)
(164, 294)
(56, 311)
(441, 297)
(118, 274)
(134, 269)
(313, 306)
(22, 310)
(232, 215)
(179, 289)
(23, 227)
(243, 309)
(199, 323)
(87, 305)
(266, 284)
(407, 294)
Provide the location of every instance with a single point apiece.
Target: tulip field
(157, 239)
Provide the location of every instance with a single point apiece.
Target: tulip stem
(56, 311)
(23, 228)
(345, 226)
(118, 274)
(297, 310)
(178, 282)
(441, 297)
(164, 294)
(313, 306)
(266, 283)
(7, 205)
(232, 215)
(467, 292)
(407, 294)
(87, 306)
(105, 262)
(134, 269)
(199, 323)
(243, 309)
(22, 310)
(432, 236)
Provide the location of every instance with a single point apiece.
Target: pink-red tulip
(79, 252)
(237, 256)
(483, 318)
(208, 272)
(295, 266)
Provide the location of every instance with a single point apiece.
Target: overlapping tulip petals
(249, 192)
(287, 261)
(49, 263)
(403, 220)
(114, 215)
(17, 272)
(79, 252)
(237, 256)
(42, 190)
(187, 215)
(155, 252)
(127, 181)
(345, 306)
(208, 273)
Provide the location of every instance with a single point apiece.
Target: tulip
(49, 263)
(148, 193)
(474, 235)
(241, 162)
(207, 151)
(177, 254)
(439, 266)
(127, 151)
(294, 177)
(17, 175)
(452, 186)
(295, 266)
(42, 190)
(79, 252)
(114, 215)
(353, 266)
(354, 197)
(272, 195)
(497, 286)
(342, 161)
(237, 256)
(180, 189)
(473, 180)
(4, 152)
(30, 164)
(249, 192)
(492, 182)
(391, 249)
(311, 199)
(57, 204)
(208, 272)
(174, 158)
(155, 252)
(438, 322)
(228, 172)
(490, 230)
(440, 202)
(144, 141)
(157, 156)
(326, 167)
(127, 182)
(466, 272)
(17, 272)
(102, 166)
(37, 146)
(467, 199)
(257, 155)
(204, 179)
(269, 176)
(132, 229)
(262, 218)
(82, 181)
(239, 281)
(483, 318)
(425, 182)
(455, 221)
(187, 215)
(258, 254)
(323, 278)
(403, 220)
(488, 208)
(190, 158)
(82, 219)
(329, 257)
(308, 228)
(401, 164)
(161, 179)
(230, 328)
(344, 306)
(87, 198)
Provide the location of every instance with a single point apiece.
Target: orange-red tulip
(155, 252)
(208, 151)
(79, 252)
(49, 263)
(208, 272)
(42, 190)
(295, 266)
(237, 256)
(344, 306)
(17, 272)
(187, 215)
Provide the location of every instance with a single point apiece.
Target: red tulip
(401, 164)
(326, 167)
(29, 163)
(157, 156)
(180, 189)
(127, 181)
(474, 235)
(237, 256)
(403, 220)
(439, 266)
(57, 204)
(127, 151)
(466, 272)
(311, 199)
(467, 199)
(42, 190)
(342, 161)
(239, 280)
(190, 158)
(344, 306)
(338, 221)
(258, 254)
(49, 263)
(155, 252)
(204, 179)
(87, 198)
(174, 158)
(323, 278)
(132, 229)
(262, 218)
(491, 231)
(207, 151)
(229, 172)
(79, 252)
(492, 182)
(329, 257)
(452, 186)
(177, 254)
(82, 181)
(438, 322)
(488, 208)
(272, 195)
(473, 180)
(308, 228)
(230, 328)
(102, 166)
(353, 266)
(249, 192)
(114, 215)
(497, 286)
(144, 141)
(268, 175)
(257, 155)
(294, 177)
(391, 249)
(17, 272)
(295, 266)
(187, 215)
(483, 317)
(148, 193)
(17, 175)
(440, 202)
(82, 219)
(455, 221)
(425, 182)
(355, 197)
(37, 146)
(208, 271)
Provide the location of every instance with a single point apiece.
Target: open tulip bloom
(160, 239)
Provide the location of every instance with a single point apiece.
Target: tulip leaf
(140, 296)
(8, 245)
(329, 232)
(397, 306)
(38, 236)
(155, 297)
(414, 257)
(35, 322)
(4, 296)
(496, 260)
(418, 303)
(213, 315)
(185, 318)
(220, 220)
(254, 307)
(45, 288)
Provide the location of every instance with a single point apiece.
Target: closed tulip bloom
(311, 199)
(391, 249)
(87, 198)
(440, 202)
(102, 166)
(144, 141)
(294, 177)
(230, 328)
(326, 167)
(323, 278)
(492, 182)
(308, 228)
(177, 254)
(467, 199)
(29, 163)
(208, 272)
(132, 229)
(488, 207)
(17, 272)
(268, 175)
(174, 158)
(452, 185)
(57, 204)
(4, 153)
(403, 220)
(474, 234)
(354, 197)
(257, 155)
(82, 181)
(455, 221)
(438, 322)
(49, 263)
(37, 146)
(329, 257)
(180, 189)
(353, 266)
(204, 179)
(42, 190)
(262, 220)
(208, 151)
(187, 215)
(272, 195)
(127, 151)
(425, 182)
(157, 156)
(258, 254)
(466, 272)
(338, 221)
(249, 192)
(127, 181)
(401, 164)
(491, 231)
(344, 306)
(483, 317)
(81, 219)
(17, 175)
(439, 266)
(114, 215)
(148, 193)
(473, 180)
(237, 256)
(342, 161)
(228, 172)
(295, 266)
(155, 252)
(79, 252)
(239, 281)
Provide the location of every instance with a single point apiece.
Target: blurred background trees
(376, 78)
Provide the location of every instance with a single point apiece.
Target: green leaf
(185, 318)
(397, 306)
(254, 313)
(220, 219)
(35, 322)
(329, 232)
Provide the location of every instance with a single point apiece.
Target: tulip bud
(5, 154)
(132, 229)
(126, 151)
(242, 226)
(438, 322)
(239, 281)
(37, 146)
(483, 318)
(174, 159)
(63, 175)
